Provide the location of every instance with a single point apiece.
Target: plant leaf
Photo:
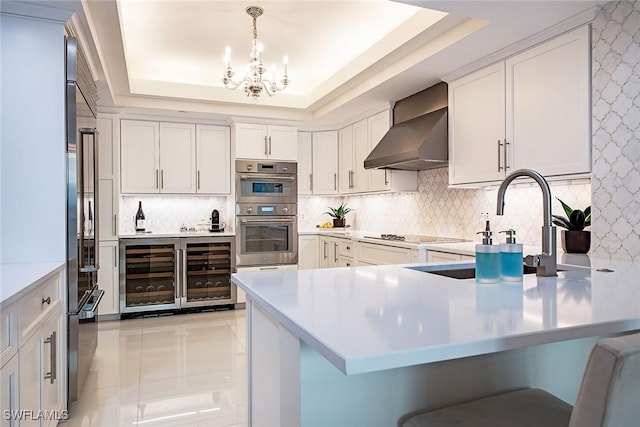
(577, 220)
(587, 212)
(567, 209)
(561, 222)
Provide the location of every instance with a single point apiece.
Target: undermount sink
(463, 271)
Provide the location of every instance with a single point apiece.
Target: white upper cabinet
(108, 171)
(318, 162)
(177, 158)
(353, 149)
(345, 160)
(139, 156)
(305, 159)
(476, 126)
(325, 162)
(530, 111)
(548, 98)
(255, 141)
(213, 159)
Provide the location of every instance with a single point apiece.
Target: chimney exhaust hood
(418, 138)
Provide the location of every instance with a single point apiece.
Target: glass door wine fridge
(165, 274)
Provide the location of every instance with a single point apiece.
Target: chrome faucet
(545, 263)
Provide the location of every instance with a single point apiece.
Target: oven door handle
(266, 176)
(263, 221)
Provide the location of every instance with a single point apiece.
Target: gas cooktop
(413, 238)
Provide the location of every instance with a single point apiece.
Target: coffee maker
(215, 222)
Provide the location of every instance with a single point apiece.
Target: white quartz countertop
(366, 319)
(16, 279)
(160, 235)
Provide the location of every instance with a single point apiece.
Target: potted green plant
(338, 214)
(575, 239)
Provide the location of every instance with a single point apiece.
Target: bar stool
(609, 396)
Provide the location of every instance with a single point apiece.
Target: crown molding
(49, 11)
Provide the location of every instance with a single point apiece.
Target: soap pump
(511, 262)
(487, 258)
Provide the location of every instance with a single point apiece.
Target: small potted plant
(575, 239)
(338, 214)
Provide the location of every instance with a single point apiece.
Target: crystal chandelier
(254, 82)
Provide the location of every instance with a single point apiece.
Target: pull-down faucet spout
(545, 263)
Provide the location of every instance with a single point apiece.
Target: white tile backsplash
(166, 214)
(438, 210)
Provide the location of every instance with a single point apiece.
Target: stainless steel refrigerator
(82, 218)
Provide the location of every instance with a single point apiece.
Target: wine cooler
(160, 274)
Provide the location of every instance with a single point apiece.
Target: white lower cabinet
(9, 391)
(40, 369)
(108, 279)
(308, 252)
(370, 253)
(33, 379)
(436, 256)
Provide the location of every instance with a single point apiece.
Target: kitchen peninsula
(363, 346)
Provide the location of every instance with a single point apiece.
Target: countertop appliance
(215, 222)
(82, 217)
(266, 213)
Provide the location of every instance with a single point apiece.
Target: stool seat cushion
(521, 408)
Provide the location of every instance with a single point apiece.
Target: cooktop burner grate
(413, 238)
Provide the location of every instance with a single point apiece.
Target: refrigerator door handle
(89, 309)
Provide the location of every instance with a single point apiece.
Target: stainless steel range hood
(418, 138)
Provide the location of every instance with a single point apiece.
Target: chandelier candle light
(254, 82)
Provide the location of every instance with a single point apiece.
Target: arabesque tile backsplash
(438, 210)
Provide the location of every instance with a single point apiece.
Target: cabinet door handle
(335, 252)
(198, 180)
(269, 145)
(324, 250)
(115, 257)
(265, 145)
(161, 178)
(310, 182)
(52, 374)
(335, 181)
(47, 300)
(386, 177)
(506, 166)
(157, 179)
(499, 165)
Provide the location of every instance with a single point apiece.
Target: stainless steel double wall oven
(266, 213)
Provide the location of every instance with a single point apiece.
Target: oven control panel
(263, 167)
(266, 209)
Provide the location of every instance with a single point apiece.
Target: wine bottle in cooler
(140, 220)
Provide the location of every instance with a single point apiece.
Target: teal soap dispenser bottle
(511, 262)
(487, 258)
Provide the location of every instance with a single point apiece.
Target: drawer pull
(48, 300)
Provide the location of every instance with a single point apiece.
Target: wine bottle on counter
(140, 218)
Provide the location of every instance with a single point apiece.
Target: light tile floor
(181, 370)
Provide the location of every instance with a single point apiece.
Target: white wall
(32, 177)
